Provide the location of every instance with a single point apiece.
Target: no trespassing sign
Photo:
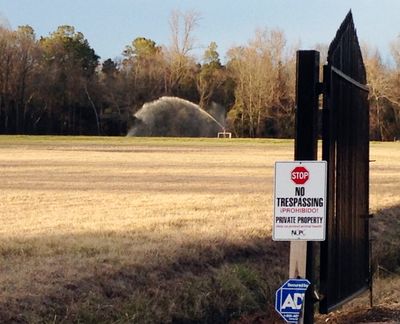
(299, 201)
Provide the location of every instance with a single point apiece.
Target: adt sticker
(290, 298)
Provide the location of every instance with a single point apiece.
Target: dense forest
(59, 85)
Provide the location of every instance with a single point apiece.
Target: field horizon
(149, 230)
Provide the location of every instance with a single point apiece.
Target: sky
(110, 25)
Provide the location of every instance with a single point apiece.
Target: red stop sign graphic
(299, 175)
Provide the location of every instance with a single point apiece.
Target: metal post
(306, 146)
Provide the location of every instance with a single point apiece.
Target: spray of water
(209, 115)
(171, 116)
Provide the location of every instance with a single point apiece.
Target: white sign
(300, 201)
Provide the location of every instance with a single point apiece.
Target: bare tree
(384, 97)
(395, 97)
(4, 23)
(182, 26)
(261, 73)
(17, 58)
(180, 64)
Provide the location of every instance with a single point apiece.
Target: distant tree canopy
(264, 101)
(58, 85)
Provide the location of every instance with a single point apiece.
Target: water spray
(172, 116)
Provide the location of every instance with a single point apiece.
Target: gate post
(306, 148)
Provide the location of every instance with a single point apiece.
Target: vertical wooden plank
(306, 145)
(328, 154)
(344, 270)
(298, 256)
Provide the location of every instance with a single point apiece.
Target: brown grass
(135, 230)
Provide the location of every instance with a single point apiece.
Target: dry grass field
(154, 230)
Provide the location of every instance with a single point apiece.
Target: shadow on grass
(220, 282)
(385, 235)
(203, 282)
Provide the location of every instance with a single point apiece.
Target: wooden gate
(345, 265)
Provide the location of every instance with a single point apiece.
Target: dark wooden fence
(345, 268)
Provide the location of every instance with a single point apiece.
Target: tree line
(58, 84)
